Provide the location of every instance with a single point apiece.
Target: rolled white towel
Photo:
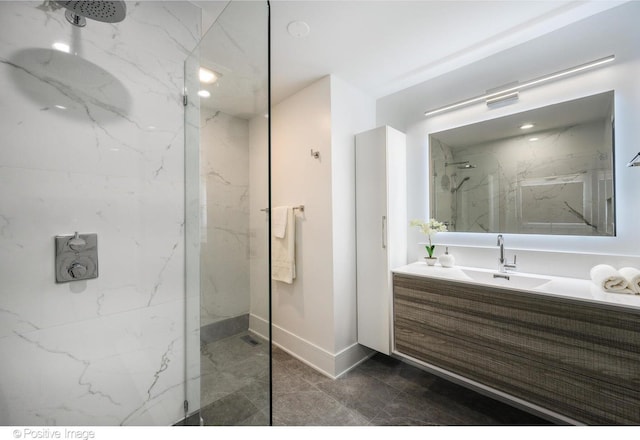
(609, 279)
(632, 275)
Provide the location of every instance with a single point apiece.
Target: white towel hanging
(283, 257)
(279, 221)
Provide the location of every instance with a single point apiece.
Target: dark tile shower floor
(382, 391)
(234, 383)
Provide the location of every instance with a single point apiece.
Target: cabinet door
(373, 281)
(396, 195)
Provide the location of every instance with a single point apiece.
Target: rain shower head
(104, 11)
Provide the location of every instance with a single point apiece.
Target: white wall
(611, 32)
(110, 350)
(314, 318)
(303, 311)
(352, 112)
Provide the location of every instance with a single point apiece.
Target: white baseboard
(351, 357)
(330, 364)
(259, 326)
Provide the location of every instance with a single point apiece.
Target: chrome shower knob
(77, 270)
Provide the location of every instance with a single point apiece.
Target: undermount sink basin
(512, 280)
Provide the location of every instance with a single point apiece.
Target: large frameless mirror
(543, 171)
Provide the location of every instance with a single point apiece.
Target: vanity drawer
(573, 358)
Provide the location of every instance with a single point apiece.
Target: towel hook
(315, 154)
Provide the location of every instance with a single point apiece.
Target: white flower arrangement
(429, 229)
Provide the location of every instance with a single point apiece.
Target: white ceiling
(385, 46)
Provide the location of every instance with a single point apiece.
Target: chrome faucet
(503, 266)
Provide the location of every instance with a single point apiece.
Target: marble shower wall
(93, 141)
(225, 272)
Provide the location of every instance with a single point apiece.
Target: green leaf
(430, 250)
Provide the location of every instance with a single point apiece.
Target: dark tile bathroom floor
(382, 391)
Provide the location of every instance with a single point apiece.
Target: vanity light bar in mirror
(507, 98)
(526, 84)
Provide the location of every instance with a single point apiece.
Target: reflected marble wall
(93, 141)
(518, 182)
(442, 180)
(224, 277)
(260, 278)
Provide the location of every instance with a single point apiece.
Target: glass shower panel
(227, 222)
(192, 238)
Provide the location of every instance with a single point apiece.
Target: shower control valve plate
(76, 257)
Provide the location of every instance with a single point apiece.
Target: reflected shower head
(104, 11)
(461, 165)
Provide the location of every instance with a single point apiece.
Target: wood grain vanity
(573, 358)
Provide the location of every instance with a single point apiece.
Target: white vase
(430, 261)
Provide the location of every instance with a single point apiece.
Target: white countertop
(570, 288)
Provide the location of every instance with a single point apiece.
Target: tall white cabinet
(381, 230)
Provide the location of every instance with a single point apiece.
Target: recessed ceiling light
(62, 47)
(298, 29)
(526, 126)
(204, 93)
(208, 76)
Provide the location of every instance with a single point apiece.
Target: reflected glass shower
(226, 174)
